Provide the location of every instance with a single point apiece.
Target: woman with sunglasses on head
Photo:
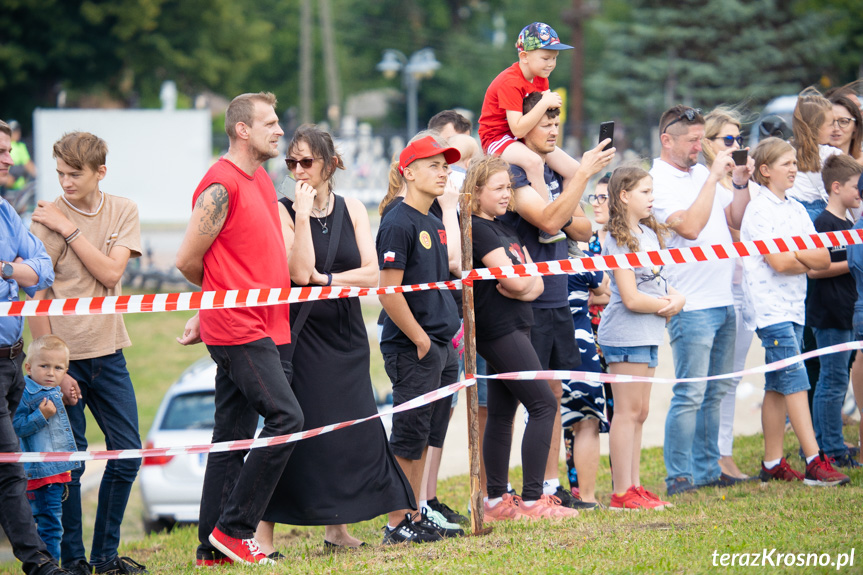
(349, 475)
(722, 132)
(812, 124)
(847, 133)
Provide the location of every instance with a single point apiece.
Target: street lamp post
(421, 64)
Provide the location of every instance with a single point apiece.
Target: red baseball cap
(426, 148)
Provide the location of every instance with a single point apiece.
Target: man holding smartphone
(690, 200)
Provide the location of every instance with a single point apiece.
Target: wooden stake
(476, 504)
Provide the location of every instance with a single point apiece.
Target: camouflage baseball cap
(539, 36)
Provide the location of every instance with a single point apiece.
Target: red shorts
(500, 144)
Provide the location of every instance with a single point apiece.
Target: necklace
(324, 229)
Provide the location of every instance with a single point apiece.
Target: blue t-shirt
(855, 265)
(555, 293)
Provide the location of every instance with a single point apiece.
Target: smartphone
(288, 188)
(606, 130)
(740, 157)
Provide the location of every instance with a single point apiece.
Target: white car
(171, 485)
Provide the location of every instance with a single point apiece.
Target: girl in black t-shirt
(503, 321)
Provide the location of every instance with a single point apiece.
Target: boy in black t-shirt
(419, 327)
(830, 308)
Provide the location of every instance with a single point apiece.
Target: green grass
(747, 518)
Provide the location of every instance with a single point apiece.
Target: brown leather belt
(13, 351)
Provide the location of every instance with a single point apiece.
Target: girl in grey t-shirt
(632, 326)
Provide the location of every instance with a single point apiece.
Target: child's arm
(449, 204)
(397, 308)
(835, 269)
(26, 424)
(520, 124)
(581, 228)
(675, 300)
(634, 300)
(799, 262)
(522, 289)
(108, 269)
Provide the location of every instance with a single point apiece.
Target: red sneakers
(650, 496)
(781, 472)
(634, 500)
(547, 507)
(508, 508)
(245, 551)
(821, 473)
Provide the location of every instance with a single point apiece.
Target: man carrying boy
(689, 198)
(43, 425)
(552, 333)
(830, 308)
(90, 236)
(234, 220)
(419, 327)
(24, 264)
(503, 122)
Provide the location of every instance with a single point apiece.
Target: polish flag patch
(389, 257)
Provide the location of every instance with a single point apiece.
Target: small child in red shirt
(502, 122)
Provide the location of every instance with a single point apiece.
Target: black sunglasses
(729, 140)
(598, 198)
(306, 163)
(688, 113)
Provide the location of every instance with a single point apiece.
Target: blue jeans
(702, 342)
(47, 506)
(107, 391)
(830, 391)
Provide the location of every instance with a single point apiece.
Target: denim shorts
(781, 341)
(648, 354)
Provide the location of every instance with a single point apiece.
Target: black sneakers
(79, 567)
(408, 532)
(121, 566)
(567, 499)
(427, 523)
(449, 514)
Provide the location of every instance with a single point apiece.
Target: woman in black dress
(349, 475)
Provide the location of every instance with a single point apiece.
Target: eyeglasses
(689, 113)
(598, 198)
(843, 122)
(306, 163)
(729, 140)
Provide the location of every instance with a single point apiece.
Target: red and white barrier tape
(226, 299)
(618, 378)
(238, 445)
(414, 403)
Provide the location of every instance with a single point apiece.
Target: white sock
(390, 527)
(549, 486)
(772, 463)
(424, 505)
(508, 486)
(494, 501)
(528, 503)
(811, 459)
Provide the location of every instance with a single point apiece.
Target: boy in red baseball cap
(419, 327)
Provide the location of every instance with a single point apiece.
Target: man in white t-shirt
(690, 200)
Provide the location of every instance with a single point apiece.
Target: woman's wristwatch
(6, 270)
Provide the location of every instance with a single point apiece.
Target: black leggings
(514, 352)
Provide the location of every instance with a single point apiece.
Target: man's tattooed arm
(213, 203)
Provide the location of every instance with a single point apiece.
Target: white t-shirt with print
(774, 297)
(705, 284)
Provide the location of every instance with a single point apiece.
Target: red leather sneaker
(245, 551)
(821, 473)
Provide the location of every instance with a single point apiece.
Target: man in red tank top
(234, 221)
